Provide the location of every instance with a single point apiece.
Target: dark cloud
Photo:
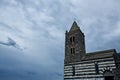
(11, 42)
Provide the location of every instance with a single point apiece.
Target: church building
(79, 65)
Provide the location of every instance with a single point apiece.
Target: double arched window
(72, 50)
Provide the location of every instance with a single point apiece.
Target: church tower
(74, 44)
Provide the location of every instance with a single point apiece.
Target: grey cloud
(11, 42)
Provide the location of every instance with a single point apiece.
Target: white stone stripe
(100, 67)
(106, 62)
(85, 72)
(80, 65)
(85, 69)
(68, 71)
(83, 76)
(67, 67)
(106, 65)
(87, 79)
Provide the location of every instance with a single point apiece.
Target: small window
(72, 50)
(72, 39)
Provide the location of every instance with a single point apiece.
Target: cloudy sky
(32, 34)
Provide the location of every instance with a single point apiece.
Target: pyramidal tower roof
(74, 26)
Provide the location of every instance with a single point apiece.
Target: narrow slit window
(71, 39)
(73, 70)
(71, 50)
(96, 68)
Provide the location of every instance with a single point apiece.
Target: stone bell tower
(74, 44)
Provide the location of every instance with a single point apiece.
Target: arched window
(72, 50)
(72, 39)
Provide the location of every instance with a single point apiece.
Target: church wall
(86, 69)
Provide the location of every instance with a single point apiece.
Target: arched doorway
(108, 75)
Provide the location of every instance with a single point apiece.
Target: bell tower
(74, 44)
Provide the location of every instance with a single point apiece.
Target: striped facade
(88, 66)
(86, 70)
